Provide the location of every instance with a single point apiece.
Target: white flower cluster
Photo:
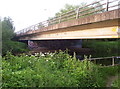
(32, 55)
(47, 53)
(51, 54)
(43, 54)
(36, 54)
(26, 55)
(40, 54)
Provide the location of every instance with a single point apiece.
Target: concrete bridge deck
(101, 25)
(100, 19)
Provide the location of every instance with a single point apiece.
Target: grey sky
(29, 12)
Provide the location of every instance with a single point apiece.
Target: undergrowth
(57, 69)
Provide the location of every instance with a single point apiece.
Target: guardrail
(91, 9)
(103, 58)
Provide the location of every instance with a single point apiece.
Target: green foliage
(65, 13)
(7, 35)
(14, 47)
(49, 70)
(0, 71)
(7, 29)
(57, 69)
(108, 71)
(0, 37)
(66, 8)
(116, 83)
(103, 48)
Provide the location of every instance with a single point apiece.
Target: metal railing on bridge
(87, 10)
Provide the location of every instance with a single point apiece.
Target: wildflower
(42, 55)
(51, 55)
(36, 54)
(32, 55)
(48, 53)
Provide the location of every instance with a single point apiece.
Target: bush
(103, 48)
(49, 70)
(14, 47)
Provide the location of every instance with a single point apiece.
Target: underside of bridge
(55, 45)
(65, 34)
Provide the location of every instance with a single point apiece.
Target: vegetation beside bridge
(54, 70)
(103, 47)
(7, 34)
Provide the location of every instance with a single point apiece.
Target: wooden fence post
(95, 61)
(48, 22)
(24, 31)
(107, 5)
(34, 27)
(60, 19)
(113, 61)
(77, 14)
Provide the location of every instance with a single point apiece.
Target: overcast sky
(29, 12)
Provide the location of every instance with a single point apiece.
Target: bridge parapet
(82, 15)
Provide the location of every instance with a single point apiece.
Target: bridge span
(98, 20)
(82, 23)
(103, 25)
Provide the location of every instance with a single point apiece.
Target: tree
(0, 37)
(64, 10)
(7, 29)
(84, 11)
(7, 35)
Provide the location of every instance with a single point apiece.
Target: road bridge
(82, 23)
(97, 20)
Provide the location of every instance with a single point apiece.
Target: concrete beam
(102, 29)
